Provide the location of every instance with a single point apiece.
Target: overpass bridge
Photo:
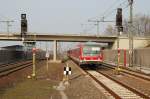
(57, 38)
(111, 40)
(62, 38)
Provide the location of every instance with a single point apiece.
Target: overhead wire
(112, 11)
(107, 13)
(89, 29)
(135, 28)
(124, 8)
(111, 6)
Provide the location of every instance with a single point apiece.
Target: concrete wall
(137, 43)
(141, 57)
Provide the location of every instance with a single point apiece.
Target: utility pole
(131, 34)
(8, 24)
(97, 23)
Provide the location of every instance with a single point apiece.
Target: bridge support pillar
(55, 53)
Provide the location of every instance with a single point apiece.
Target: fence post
(125, 59)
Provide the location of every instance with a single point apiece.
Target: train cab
(90, 54)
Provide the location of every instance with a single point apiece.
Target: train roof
(13, 47)
(94, 44)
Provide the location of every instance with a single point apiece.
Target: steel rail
(130, 72)
(105, 87)
(7, 70)
(126, 86)
(118, 82)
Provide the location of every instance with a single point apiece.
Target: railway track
(138, 86)
(6, 69)
(116, 89)
(135, 83)
(129, 72)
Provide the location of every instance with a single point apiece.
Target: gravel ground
(39, 88)
(81, 86)
(49, 85)
(137, 83)
(13, 78)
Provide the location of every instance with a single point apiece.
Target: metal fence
(141, 57)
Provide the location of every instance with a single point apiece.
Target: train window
(95, 48)
(91, 51)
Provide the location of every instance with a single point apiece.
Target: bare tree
(110, 30)
(141, 25)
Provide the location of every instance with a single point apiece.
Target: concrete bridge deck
(64, 38)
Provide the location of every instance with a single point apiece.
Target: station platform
(50, 85)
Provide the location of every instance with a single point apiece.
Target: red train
(87, 53)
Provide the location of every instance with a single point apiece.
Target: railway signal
(119, 20)
(120, 30)
(119, 17)
(24, 25)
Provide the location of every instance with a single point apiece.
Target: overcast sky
(63, 16)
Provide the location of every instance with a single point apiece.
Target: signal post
(120, 30)
(33, 61)
(47, 57)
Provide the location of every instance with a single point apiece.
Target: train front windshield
(91, 51)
